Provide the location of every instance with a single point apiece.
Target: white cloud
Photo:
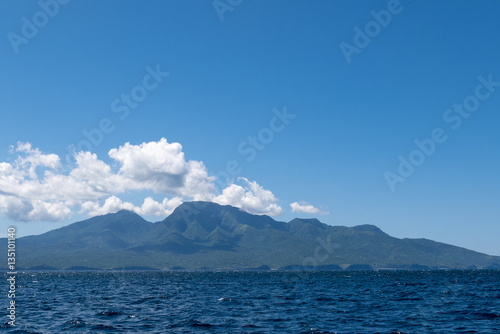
(153, 208)
(161, 167)
(149, 207)
(35, 158)
(112, 204)
(306, 208)
(35, 187)
(23, 210)
(15, 208)
(251, 198)
(49, 211)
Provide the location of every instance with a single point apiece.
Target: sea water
(256, 302)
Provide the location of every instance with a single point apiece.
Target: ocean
(256, 302)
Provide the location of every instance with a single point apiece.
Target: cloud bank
(36, 187)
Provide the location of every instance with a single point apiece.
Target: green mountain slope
(202, 235)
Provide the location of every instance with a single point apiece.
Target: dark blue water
(257, 302)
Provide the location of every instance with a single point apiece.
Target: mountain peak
(368, 228)
(126, 213)
(210, 215)
(199, 206)
(311, 221)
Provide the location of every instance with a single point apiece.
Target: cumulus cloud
(161, 167)
(152, 207)
(149, 207)
(306, 208)
(34, 158)
(24, 210)
(251, 198)
(35, 187)
(111, 204)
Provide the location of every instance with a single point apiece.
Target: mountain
(203, 235)
(82, 244)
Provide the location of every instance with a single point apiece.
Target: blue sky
(271, 93)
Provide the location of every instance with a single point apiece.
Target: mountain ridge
(201, 235)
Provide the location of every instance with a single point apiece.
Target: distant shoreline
(238, 270)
